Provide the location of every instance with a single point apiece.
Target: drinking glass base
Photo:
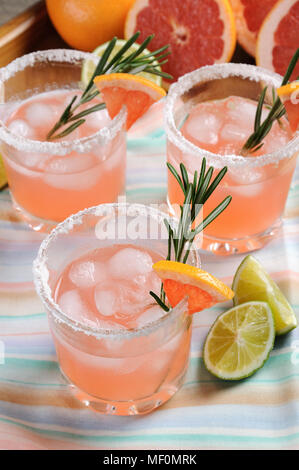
(126, 408)
(225, 247)
(36, 223)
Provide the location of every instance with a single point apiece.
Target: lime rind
(89, 66)
(252, 282)
(245, 346)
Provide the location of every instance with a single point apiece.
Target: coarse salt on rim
(82, 145)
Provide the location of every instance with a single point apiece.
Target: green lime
(3, 179)
(252, 282)
(89, 66)
(240, 341)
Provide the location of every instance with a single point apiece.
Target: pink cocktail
(210, 113)
(121, 352)
(51, 179)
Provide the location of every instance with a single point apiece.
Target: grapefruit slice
(199, 33)
(289, 95)
(135, 92)
(249, 16)
(278, 38)
(182, 280)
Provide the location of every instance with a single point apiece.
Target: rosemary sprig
(196, 193)
(277, 111)
(133, 63)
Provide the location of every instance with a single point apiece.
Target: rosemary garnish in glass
(277, 110)
(133, 63)
(196, 193)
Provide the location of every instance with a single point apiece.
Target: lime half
(3, 179)
(252, 282)
(89, 66)
(240, 341)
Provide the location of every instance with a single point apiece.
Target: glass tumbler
(119, 371)
(52, 179)
(258, 185)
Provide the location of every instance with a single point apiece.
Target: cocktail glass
(258, 185)
(125, 371)
(50, 180)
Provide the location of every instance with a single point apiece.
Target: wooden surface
(11, 8)
(30, 30)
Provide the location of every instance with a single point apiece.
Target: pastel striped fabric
(38, 412)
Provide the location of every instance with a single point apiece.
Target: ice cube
(203, 127)
(21, 128)
(147, 282)
(247, 190)
(120, 366)
(72, 304)
(70, 164)
(275, 141)
(72, 172)
(242, 114)
(232, 132)
(241, 111)
(39, 114)
(150, 315)
(97, 120)
(87, 273)
(106, 301)
(129, 263)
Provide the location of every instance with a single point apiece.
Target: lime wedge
(252, 282)
(3, 179)
(240, 341)
(88, 66)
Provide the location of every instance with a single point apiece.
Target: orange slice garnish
(289, 95)
(135, 92)
(182, 280)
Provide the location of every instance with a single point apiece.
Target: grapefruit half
(278, 38)
(249, 15)
(199, 32)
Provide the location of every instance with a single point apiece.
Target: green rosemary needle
(133, 63)
(277, 111)
(196, 193)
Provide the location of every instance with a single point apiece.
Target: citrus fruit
(181, 280)
(89, 66)
(278, 38)
(199, 33)
(240, 341)
(249, 16)
(252, 282)
(84, 24)
(289, 95)
(135, 92)
(3, 179)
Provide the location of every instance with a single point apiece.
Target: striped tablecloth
(36, 408)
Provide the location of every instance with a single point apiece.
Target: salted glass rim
(218, 71)
(82, 145)
(41, 274)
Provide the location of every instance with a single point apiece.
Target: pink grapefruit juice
(51, 186)
(108, 288)
(259, 193)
